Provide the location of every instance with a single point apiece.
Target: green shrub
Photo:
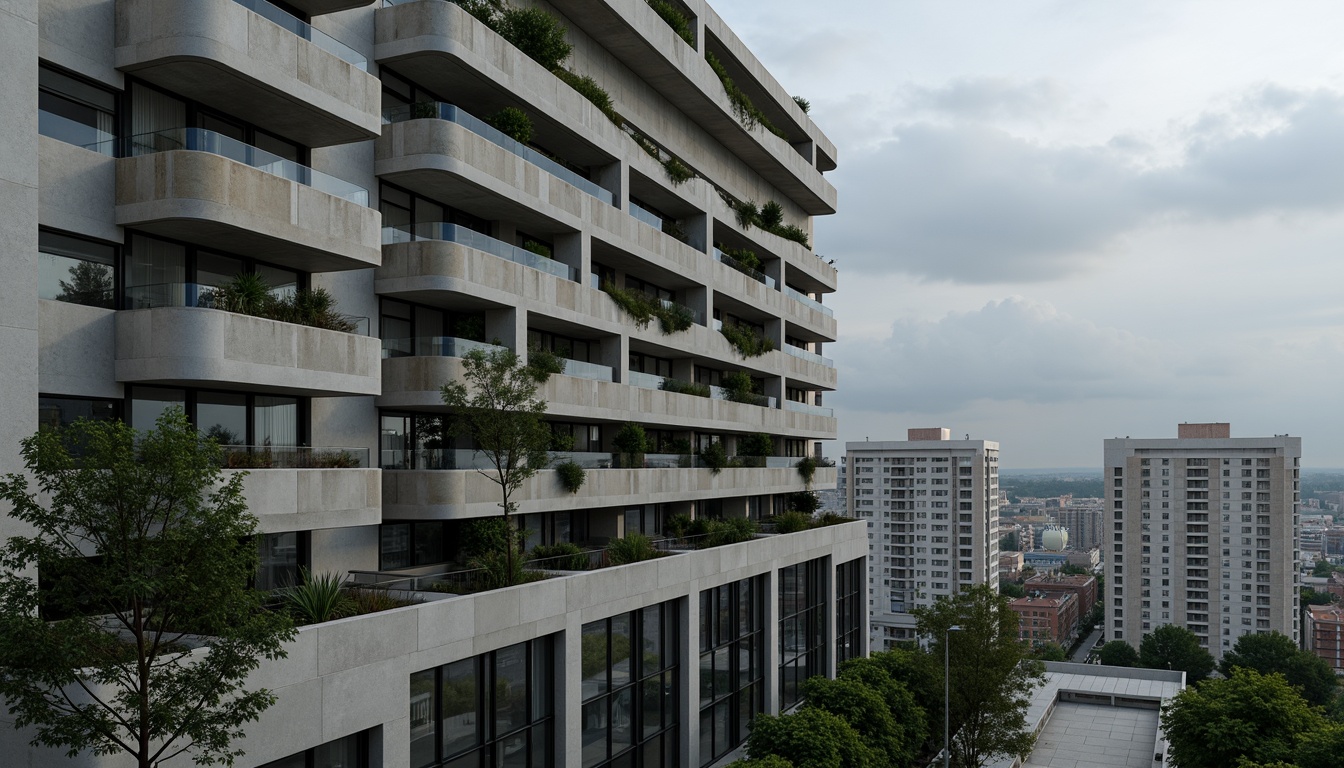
(485, 11)
(748, 342)
(803, 104)
(316, 598)
(792, 522)
(807, 469)
(543, 363)
(794, 233)
(730, 531)
(493, 571)
(674, 318)
(634, 548)
(714, 457)
(675, 19)
(685, 388)
(590, 90)
(484, 535)
(637, 304)
(571, 475)
(806, 502)
(677, 525)
(561, 556)
(512, 122)
(680, 445)
(748, 114)
(374, 600)
(771, 216)
(537, 34)
(747, 213)
(739, 387)
(756, 444)
(677, 172)
(745, 258)
(631, 442)
(831, 518)
(541, 249)
(249, 294)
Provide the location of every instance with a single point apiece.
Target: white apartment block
(932, 508)
(1202, 532)
(154, 150)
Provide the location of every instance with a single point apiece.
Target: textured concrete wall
(76, 350)
(308, 499)
(210, 347)
(76, 190)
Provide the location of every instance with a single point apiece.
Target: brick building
(1325, 634)
(1055, 585)
(1047, 619)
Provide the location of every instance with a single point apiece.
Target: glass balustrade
(433, 346)
(756, 275)
(455, 233)
(648, 217)
(306, 31)
(817, 410)
(454, 114)
(593, 371)
(644, 380)
(809, 301)
(82, 135)
(201, 140)
(806, 355)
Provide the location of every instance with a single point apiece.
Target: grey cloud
(988, 98)
(972, 204)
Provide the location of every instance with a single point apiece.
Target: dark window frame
(732, 640)
(114, 263)
(190, 255)
(303, 423)
(637, 681)
(802, 608)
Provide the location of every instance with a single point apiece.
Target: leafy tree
(1009, 589)
(756, 444)
(1173, 647)
(910, 725)
(537, 34)
(1276, 652)
(1323, 569)
(809, 738)
(1051, 652)
(90, 283)
(1118, 653)
(864, 710)
(631, 442)
(143, 631)
(1009, 543)
(1258, 717)
(768, 761)
(496, 405)
(991, 678)
(1322, 748)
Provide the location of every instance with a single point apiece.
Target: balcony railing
(719, 393)
(437, 110)
(433, 346)
(201, 140)
(809, 301)
(644, 380)
(759, 277)
(154, 295)
(648, 217)
(582, 370)
(291, 23)
(82, 135)
(454, 233)
(817, 410)
(293, 457)
(806, 355)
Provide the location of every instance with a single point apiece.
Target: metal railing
(201, 140)
(799, 296)
(196, 295)
(433, 346)
(306, 31)
(790, 405)
(756, 275)
(798, 352)
(455, 233)
(293, 457)
(437, 110)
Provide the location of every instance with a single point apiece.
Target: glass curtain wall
(849, 601)
(732, 664)
(630, 670)
(802, 628)
(76, 270)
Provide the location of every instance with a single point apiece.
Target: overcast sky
(1061, 221)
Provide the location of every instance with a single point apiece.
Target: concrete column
(774, 268)
(573, 248)
(771, 654)
(615, 178)
(569, 693)
(507, 327)
(688, 657)
(828, 590)
(616, 353)
(774, 387)
(700, 299)
(697, 231)
(774, 331)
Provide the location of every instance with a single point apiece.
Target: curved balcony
(447, 160)
(189, 346)
(411, 494)
(204, 188)
(252, 60)
(413, 383)
(300, 499)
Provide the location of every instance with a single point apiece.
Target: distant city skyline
(1061, 223)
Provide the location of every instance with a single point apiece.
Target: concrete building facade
(155, 151)
(1084, 526)
(932, 507)
(1203, 534)
(1325, 634)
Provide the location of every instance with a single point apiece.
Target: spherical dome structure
(1055, 539)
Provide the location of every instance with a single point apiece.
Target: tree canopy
(143, 629)
(911, 722)
(1248, 715)
(991, 677)
(1173, 647)
(809, 738)
(1276, 652)
(1118, 653)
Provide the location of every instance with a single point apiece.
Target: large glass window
(231, 418)
(408, 216)
(76, 270)
(403, 545)
(496, 709)
(63, 411)
(732, 664)
(802, 628)
(629, 668)
(349, 752)
(165, 273)
(849, 601)
(283, 555)
(413, 441)
(76, 111)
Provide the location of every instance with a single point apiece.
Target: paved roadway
(1080, 655)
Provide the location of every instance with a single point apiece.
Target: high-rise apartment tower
(932, 507)
(1202, 532)
(451, 193)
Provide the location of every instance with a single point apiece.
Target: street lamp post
(947, 695)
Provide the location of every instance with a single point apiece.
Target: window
(405, 545)
(412, 329)
(732, 664)
(164, 273)
(629, 715)
(267, 422)
(493, 709)
(64, 411)
(349, 752)
(848, 620)
(412, 441)
(282, 558)
(76, 270)
(76, 111)
(408, 216)
(801, 628)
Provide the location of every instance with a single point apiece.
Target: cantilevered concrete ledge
(206, 347)
(308, 499)
(207, 199)
(223, 55)
(323, 7)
